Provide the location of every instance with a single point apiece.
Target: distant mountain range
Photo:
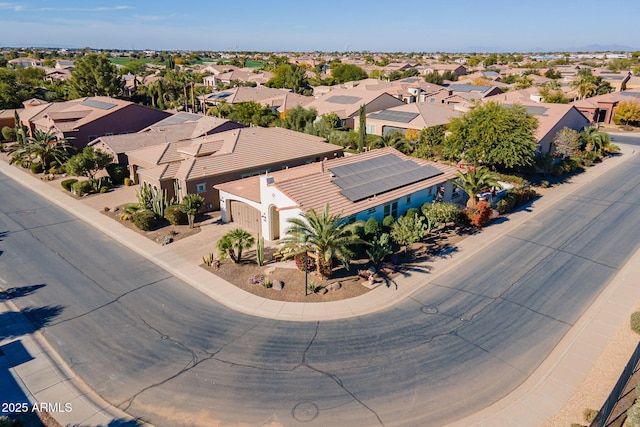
(587, 48)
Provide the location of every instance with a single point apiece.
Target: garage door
(245, 216)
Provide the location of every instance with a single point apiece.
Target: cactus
(260, 251)
(208, 260)
(153, 199)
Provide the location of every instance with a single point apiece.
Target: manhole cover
(429, 310)
(305, 411)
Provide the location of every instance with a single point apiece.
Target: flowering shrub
(300, 261)
(480, 214)
(256, 279)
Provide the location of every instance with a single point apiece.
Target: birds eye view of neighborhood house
(315, 215)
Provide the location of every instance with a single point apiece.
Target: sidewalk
(539, 398)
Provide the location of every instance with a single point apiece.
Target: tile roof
(311, 186)
(426, 115)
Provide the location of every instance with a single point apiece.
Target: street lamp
(306, 273)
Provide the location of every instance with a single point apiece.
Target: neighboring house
(25, 62)
(279, 99)
(551, 119)
(600, 109)
(199, 164)
(179, 127)
(458, 69)
(374, 184)
(411, 116)
(471, 92)
(617, 80)
(7, 118)
(64, 65)
(237, 75)
(345, 103)
(53, 74)
(85, 119)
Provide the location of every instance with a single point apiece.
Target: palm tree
(596, 139)
(327, 236)
(474, 181)
(233, 243)
(394, 141)
(47, 147)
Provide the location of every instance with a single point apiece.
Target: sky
(328, 25)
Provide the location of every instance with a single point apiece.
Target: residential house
(85, 119)
(551, 119)
(373, 184)
(198, 164)
(410, 116)
(25, 62)
(458, 69)
(278, 99)
(345, 103)
(600, 109)
(178, 127)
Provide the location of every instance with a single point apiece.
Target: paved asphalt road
(153, 346)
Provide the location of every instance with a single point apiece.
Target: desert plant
(132, 208)
(153, 199)
(9, 133)
(380, 248)
(260, 251)
(144, 219)
(635, 322)
(67, 183)
(312, 287)
(589, 414)
(190, 205)
(503, 207)
(302, 259)
(474, 181)
(267, 283)
(124, 217)
(233, 243)
(208, 260)
(174, 215)
(408, 230)
(127, 182)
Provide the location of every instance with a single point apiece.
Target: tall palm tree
(474, 181)
(327, 236)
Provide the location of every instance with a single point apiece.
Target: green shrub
(82, 187)
(174, 215)
(131, 208)
(388, 221)
(411, 212)
(144, 219)
(127, 182)
(118, 172)
(441, 213)
(589, 414)
(9, 133)
(104, 190)
(372, 227)
(67, 183)
(635, 322)
(502, 207)
(516, 180)
(36, 168)
(57, 170)
(2, 150)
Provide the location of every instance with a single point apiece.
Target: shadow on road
(13, 293)
(13, 323)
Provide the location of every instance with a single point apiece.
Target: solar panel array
(220, 95)
(633, 94)
(367, 178)
(536, 110)
(343, 99)
(180, 118)
(467, 88)
(98, 104)
(394, 116)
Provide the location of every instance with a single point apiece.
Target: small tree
(9, 133)
(372, 227)
(233, 243)
(409, 229)
(627, 111)
(567, 142)
(88, 162)
(191, 204)
(474, 181)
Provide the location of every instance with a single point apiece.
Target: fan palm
(47, 147)
(474, 181)
(597, 139)
(233, 243)
(327, 236)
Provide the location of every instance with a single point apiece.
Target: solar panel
(179, 118)
(220, 95)
(98, 104)
(468, 88)
(410, 80)
(536, 110)
(394, 116)
(633, 94)
(367, 178)
(343, 99)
